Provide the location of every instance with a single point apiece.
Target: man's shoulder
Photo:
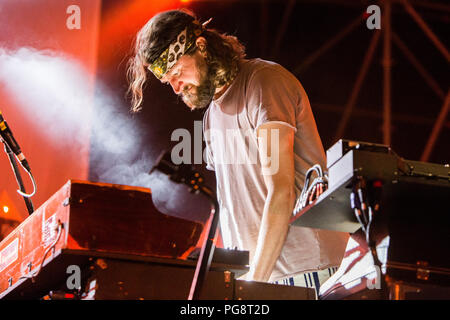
(259, 70)
(258, 64)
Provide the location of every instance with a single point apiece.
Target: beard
(199, 97)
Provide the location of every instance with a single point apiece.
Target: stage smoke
(56, 94)
(52, 92)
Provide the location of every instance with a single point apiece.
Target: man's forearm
(272, 234)
(276, 146)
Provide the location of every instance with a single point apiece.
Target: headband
(182, 43)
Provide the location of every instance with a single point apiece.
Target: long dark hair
(223, 51)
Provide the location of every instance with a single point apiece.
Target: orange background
(41, 25)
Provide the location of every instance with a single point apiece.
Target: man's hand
(276, 150)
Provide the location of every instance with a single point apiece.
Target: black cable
(15, 167)
(360, 204)
(356, 211)
(368, 224)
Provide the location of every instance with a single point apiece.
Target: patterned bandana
(176, 49)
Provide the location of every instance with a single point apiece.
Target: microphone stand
(185, 174)
(207, 250)
(18, 176)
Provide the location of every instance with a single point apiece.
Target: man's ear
(201, 45)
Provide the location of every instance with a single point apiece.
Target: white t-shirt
(264, 92)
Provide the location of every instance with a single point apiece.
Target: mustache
(186, 91)
(198, 97)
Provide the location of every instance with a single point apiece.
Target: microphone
(8, 139)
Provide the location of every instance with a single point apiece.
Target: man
(261, 139)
